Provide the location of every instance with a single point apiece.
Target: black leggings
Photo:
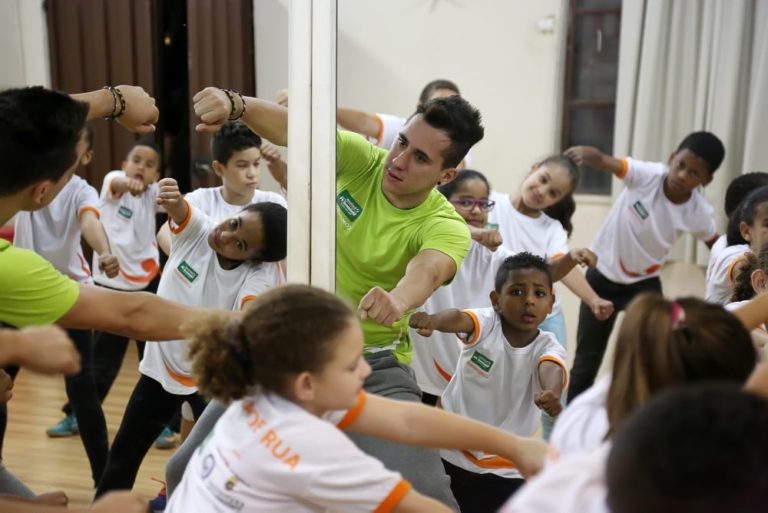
(149, 410)
(592, 335)
(480, 493)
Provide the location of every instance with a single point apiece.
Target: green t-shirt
(375, 240)
(32, 292)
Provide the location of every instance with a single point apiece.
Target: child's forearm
(94, 233)
(178, 212)
(561, 267)
(551, 377)
(754, 313)
(578, 284)
(453, 321)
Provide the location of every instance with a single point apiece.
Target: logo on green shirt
(640, 209)
(348, 205)
(125, 212)
(186, 271)
(482, 361)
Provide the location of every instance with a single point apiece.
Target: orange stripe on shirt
(381, 129)
(352, 414)
(624, 168)
(187, 382)
(246, 299)
(558, 362)
(446, 376)
(494, 462)
(89, 208)
(395, 496)
(184, 223)
(475, 329)
(149, 265)
(732, 267)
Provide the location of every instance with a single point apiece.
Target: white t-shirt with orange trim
(722, 262)
(193, 276)
(583, 424)
(130, 224)
(435, 357)
(643, 224)
(390, 127)
(574, 484)
(211, 202)
(54, 233)
(268, 455)
(495, 383)
(541, 236)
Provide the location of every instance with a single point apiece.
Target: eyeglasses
(468, 204)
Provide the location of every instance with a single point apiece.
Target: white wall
(23, 39)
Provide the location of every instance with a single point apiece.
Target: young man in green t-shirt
(397, 239)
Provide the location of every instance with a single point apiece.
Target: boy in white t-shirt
(508, 367)
(658, 204)
(237, 156)
(54, 232)
(212, 265)
(726, 254)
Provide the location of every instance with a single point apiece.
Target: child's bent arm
(578, 284)
(561, 267)
(164, 239)
(363, 123)
(415, 424)
(592, 157)
(453, 321)
(754, 313)
(414, 502)
(551, 376)
(93, 232)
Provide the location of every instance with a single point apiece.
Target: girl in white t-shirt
(661, 345)
(293, 369)
(727, 252)
(435, 358)
(752, 279)
(507, 370)
(214, 266)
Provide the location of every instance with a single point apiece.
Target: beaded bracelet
(230, 94)
(118, 100)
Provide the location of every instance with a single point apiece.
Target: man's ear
(86, 158)
(448, 175)
(40, 191)
(218, 168)
(758, 280)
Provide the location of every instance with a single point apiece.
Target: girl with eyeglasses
(435, 358)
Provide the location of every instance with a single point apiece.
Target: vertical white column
(323, 179)
(299, 139)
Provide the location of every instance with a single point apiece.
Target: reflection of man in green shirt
(397, 240)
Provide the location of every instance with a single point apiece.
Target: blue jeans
(555, 325)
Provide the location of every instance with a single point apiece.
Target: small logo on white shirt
(186, 271)
(481, 362)
(125, 212)
(641, 210)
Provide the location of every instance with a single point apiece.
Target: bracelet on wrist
(118, 102)
(231, 95)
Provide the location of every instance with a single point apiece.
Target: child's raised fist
(548, 401)
(422, 323)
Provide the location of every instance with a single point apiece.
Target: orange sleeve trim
(443, 373)
(397, 494)
(184, 223)
(624, 168)
(381, 129)
(352, 414)
(184, 380)
(556, 256)
(558, 362)
(475, 329)
(732, 267)
(89, 208)
(246, 299)
(494, 462)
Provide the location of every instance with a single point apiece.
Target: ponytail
(742, 280)
(563, 211)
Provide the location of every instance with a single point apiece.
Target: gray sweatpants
(419, 465)
(174, 469)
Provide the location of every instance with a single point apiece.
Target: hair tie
(677, 315)
(235, 342)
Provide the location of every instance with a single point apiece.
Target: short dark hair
(706, 146)
(745, 212)
(436, 85)
(233, 136)
(695, 449)
(740, 187)
(522, 260)
(459, 119)
(462, 176)
(274, 218)
(39, 130)
(149, 142)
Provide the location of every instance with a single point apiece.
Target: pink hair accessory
(677, 315)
